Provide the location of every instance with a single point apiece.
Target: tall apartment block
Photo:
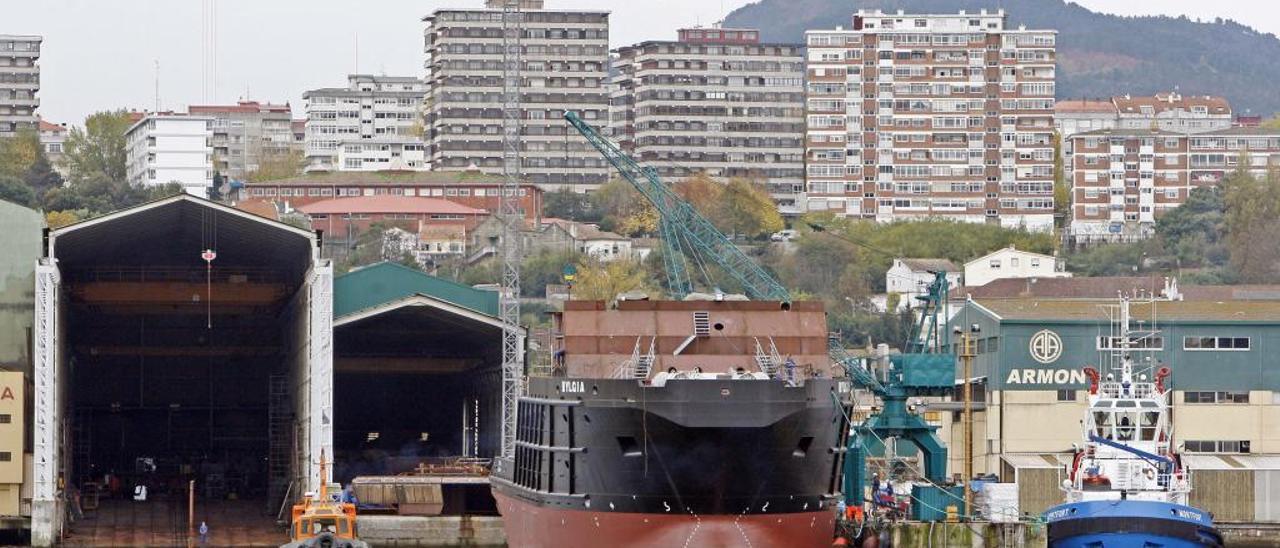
(370, 109)
(915, 116)
(246, 133)
(1125, 179)
(166, 148)
(19, 82)
(716, 101)
(565, 56)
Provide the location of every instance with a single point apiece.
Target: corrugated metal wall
(1038, 490)
(1228, 494)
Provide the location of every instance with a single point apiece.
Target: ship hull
(1129, 523)
(529, 525)
(690, 463)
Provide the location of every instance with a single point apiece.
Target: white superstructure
(1128, 450)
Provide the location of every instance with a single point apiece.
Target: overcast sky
(101, 54)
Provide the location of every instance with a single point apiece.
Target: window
(6, 418)
(995, 263)
(1150, 342)
(1215, 397)
(1066, 395)
(1218, 446)
(6, 456)
(1238, 344)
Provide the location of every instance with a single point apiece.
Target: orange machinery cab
(321, 521)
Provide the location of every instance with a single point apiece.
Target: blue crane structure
(927, 369)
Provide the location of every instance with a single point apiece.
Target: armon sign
(1057, 377)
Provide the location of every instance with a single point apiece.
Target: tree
(748, 209)
(624, 209)
(545, 268)
(99, 148)
(14, 190)
(277, 165)
(567, 204)
(1253, 221)
(19, 152)
(41, 177)
(604, 281)
(58, 219)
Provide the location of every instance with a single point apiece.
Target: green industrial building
(1224, 356)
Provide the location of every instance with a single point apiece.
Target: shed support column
(320, 370)
(46, 504)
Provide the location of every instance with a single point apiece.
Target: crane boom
(682, 226)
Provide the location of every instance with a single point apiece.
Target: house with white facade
(1011, 262)
(392, 153)
(909, 278)
(171, 148)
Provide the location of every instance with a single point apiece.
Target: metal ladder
(767, 361)
(638, 366)
(279, 436)
(81, 445)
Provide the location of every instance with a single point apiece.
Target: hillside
(1099, 55)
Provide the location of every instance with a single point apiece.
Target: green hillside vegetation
(1099, 55)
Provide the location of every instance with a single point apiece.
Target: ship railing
(638, 366)
(1113, 389)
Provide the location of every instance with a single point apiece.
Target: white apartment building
(19, 82)
(171, 148)
(917, 116)
(565, 61)
(383, 154)
(369, 108)
(1012, 263)
(717, 101)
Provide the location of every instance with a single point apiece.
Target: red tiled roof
(1167, 101)
(388, 204)
(261, 209)
(46, 126)
(1084, 105)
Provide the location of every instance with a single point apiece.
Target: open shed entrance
(171, 371)
(417, 381)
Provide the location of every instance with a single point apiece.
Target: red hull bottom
(531, 526)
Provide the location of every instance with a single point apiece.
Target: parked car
(783, 235)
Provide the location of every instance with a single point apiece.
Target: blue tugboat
(1127, 486)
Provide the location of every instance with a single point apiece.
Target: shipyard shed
(159, 366)
(417, 371)
(1236, 488)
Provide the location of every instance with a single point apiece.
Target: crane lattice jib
(682, 224)
(853, 367)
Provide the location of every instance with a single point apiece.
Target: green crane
(685, 232)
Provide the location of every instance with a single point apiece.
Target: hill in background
(1099, 55)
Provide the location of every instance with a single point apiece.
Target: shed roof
(1232, 462)
(1091, 310)
(388, 204)
(385, 283)
(387, 178)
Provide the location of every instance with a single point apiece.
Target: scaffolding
(279, 439)
(512, 220)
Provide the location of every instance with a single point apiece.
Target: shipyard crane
(684, 230)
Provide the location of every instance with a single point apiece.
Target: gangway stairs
(769, 361)
(638, 366)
